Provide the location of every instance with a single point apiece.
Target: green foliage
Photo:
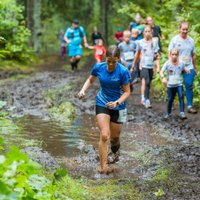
(159, 193)
(159, 89)
(14, 34)
(168, 15)
(65, 112)
(2, 104)
(6, 126)
(50, 37)
(21, 178)
(196, 99)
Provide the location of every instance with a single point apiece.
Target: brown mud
(160, 155)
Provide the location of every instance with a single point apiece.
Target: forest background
(32, 27)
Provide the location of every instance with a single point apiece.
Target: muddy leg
(73, 62)
(103, 121)
(77, 59)
(115, 130)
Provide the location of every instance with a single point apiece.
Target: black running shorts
(114, 114)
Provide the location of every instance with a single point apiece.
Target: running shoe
(135, 80)
(114, 158)
(192, 110)
(167, 116)
(148, 104)
(182, 115)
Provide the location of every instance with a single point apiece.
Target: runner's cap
(75, 21)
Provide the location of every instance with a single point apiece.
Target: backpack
(71, 34)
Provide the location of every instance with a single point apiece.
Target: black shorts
(114, 114)
(147, 73)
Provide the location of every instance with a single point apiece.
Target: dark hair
(183, 22)
(113, 51)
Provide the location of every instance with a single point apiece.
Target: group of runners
(130, 60)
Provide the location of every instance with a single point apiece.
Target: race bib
(122, 116)
(175, 79)
(148, 61)
(128, 55)
(99, 52)
(185, 60)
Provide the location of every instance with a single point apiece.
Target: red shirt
(119, 35)
(99, 52)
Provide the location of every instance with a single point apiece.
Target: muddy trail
(161, 156)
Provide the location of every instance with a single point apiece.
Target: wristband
(117, 102)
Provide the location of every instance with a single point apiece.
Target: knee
(181, 97)
(105, 136)
(170, 100)
(72, 60)
(188, 84)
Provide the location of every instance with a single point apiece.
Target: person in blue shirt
(110, 103)
(136, 24)
(74, 36)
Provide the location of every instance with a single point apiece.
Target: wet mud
(160, 155)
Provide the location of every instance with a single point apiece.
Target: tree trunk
(104, 18)
(37, 25)
(33, 19)
(29, 19)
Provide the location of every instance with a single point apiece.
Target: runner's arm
(85, 41)
(66, 39)
(126, 94)
(157, 62)
(164, 80)
(90, 47)
(86, 85)
(194, 62)
(137, 56)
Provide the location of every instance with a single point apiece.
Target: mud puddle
(67, 141)
(75, 145)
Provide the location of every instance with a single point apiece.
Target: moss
(7, 127)
(162, 174)
(113, 189)
(65, 112)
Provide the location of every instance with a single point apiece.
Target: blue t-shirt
(110, 83)
(139, 28)
(75, 35)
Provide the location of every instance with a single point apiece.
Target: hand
(132, 69)
(81, 95)
(157, 70)
(86, 45)
(111, 104)
(187, 71)
(164, 81)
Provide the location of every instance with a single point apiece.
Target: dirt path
(150, 144)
